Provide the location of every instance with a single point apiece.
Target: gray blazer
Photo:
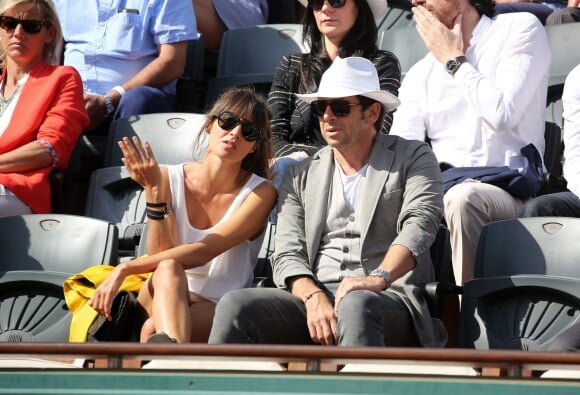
(402, 203)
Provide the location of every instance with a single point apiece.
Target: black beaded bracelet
(156, 205)
(157, 214)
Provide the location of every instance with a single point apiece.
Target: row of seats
(251, 55)
(525, 292)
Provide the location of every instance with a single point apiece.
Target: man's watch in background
(453, 65)
(110, 107)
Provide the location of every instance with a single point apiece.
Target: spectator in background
(569, 14)
(214, 17)
(565, 204)
(479, 97)
(541, 9)
(129, 54)
(204, 219)
(41, 106)
(332, 29)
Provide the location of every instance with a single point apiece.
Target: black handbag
(123, 326)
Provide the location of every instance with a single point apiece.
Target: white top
(6, 115)
(495, 104)
(571, 102)
(232, 269)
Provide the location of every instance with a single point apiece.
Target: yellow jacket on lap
(79, 289)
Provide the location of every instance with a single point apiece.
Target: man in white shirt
(565, 204)
(129, 53)
(479, 97)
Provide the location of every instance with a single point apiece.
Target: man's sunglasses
(340, 108)
(30, 26)
(228, 120)
(316, 5)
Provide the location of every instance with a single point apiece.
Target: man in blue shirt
(129, 53)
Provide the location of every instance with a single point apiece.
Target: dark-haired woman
(204, 219)
(331, 28)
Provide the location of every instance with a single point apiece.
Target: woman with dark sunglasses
(331, 28)
(205, 219)
(41, 106)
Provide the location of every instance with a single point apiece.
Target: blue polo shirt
(109, 41)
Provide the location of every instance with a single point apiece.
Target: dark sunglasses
(228, 120)
(340, 108)
(316, 5)
(30, 26)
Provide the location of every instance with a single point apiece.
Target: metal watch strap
(110, 107)
(380, 272)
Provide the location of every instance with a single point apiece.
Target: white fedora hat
(350, 77)
(378, 7)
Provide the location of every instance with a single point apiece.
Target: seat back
(56, 242)
(398, 15)
(526, 289)
(114, 197)
(405, 43)
(191, 86)
(542, 245)
(553, 155)
(258, 49)
(250, 56)
(565, 47)
(32, 307)
(171, 135)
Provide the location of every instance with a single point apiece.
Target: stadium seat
(191, 86)
(526, 288)
(113, 196)
(32, 307)
(553, 156)
(171, 135)
(398, 15)
(405, 43)
(38, 253)
(565, 48)
(249, 56)
(56, 242)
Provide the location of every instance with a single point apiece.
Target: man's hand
(96, 109)
(375, 284)
(442, 42)
(321, 320)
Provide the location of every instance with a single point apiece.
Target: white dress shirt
(492, 107)
(571, 101)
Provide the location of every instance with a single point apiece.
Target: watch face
(452, 65)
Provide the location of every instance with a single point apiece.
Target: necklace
(4, 103)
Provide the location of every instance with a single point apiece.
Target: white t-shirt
(232, 269)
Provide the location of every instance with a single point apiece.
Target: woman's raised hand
(140, 162)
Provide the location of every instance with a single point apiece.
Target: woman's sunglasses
(228, 120)
(30, 26)
(316, 5)
(340, 108)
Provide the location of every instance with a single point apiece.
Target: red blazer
(51, 108)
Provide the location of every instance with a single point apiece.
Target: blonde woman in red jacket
(41, 106)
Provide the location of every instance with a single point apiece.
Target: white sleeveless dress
(232, 269)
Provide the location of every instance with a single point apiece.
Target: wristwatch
(452, 65)
(379, 272)
(110, 107)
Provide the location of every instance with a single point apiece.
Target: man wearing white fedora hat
(479, 96)
(355, 224)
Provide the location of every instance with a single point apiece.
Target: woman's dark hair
(242, 101)
(366, 102)
(361, 40)
(484, 7)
